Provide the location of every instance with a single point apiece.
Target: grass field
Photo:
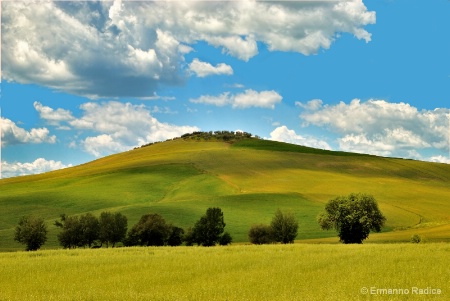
(249, 180)
(245, 272)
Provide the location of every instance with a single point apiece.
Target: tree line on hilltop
(353, 217)
(226, 136)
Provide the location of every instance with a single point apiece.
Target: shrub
(225, 239)
(416, 239)
(260, 234)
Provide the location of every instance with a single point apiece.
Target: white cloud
(12, 134)
(53, 117)
(129, 48)
(203, 69)
(249, 98)
(283, 134)
(119, 127)
(379, 127)
(39, 165)
(440, 159)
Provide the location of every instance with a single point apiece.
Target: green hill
(249, 179)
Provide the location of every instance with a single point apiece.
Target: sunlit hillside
(249, 179)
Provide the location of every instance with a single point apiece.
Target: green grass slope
(249, 180)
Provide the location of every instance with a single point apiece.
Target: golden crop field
(243, 272)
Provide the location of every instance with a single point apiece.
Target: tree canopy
(353, 217)
(208, 230)
(284, 227)
(32, 232)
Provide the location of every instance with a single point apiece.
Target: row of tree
(353, 217)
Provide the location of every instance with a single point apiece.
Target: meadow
(249, 180)
(244, 272)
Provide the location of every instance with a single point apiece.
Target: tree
(90, 228)
(71, 235)
(113, 228)
(32, 232)
(175, 237)
(284, 227)
(260, 234)
(353, 217)
(208, 230)
(151, 230)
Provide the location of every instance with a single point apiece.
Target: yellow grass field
(244, 272)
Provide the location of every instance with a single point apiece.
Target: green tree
(175, 237)
(151, 230)
(284, 227)
(260, 234)
(32, 232)
(113, 228)
(208, 230)
(353, 217)
(90, 228)
(71, 235)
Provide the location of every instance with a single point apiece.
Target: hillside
(249, 179)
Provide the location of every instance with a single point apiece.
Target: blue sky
(82, 80)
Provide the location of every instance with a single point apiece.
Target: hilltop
(249, 178)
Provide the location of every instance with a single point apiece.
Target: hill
(249, 179)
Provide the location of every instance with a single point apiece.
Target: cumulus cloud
(249, 98)
(379, 127)
(203, 69)
(39, 165)
(118, 126)
(12, 134)
(130, 48)
(283, 134)
(53, 117)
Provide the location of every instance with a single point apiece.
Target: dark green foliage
(71, 235)
(225, 239)
(32, 232)
(175, 237)
(151, 230)
(284, 227)
(113, 228)
(188, 237)
(260, 234)
(208, 230)
(416, 239)
(90, 229)
(227, 136)
(353, 216)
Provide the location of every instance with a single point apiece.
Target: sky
(85, 79)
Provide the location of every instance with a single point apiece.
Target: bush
(226, 239)
(260, 234)
(416, 239)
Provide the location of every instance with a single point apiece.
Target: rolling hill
(249, 179)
